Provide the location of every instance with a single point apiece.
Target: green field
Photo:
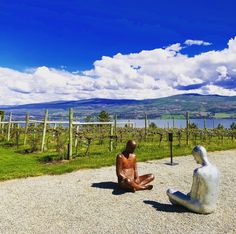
(222, 115)
(169, 116)
(17, 165)
(42, 149)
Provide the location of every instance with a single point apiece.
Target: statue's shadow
(110, 185)
(166, 207)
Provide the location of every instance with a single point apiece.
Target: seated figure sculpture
(203, 195)
(126, 170)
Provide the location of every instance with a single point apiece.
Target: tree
(88, 118)
(104, 116)
(152, 125)
(2, 113)
(192, 126)
(233, 126)
(220, 126)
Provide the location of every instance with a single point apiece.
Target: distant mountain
(178, 105)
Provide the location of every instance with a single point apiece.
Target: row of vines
(101, 137)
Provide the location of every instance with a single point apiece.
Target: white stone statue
(203, 195)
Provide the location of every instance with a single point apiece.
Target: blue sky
(72, 36)
(76, 33)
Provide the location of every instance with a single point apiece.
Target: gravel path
(88, 201)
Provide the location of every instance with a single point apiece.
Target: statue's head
(130, 146)
(199, 154)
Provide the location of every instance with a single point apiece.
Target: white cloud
(147, 74)
(213, 89)
(223, 73)
(190, 42)
(175, 47)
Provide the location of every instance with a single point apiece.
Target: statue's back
(209, 184)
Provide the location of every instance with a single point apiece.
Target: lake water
(180, 123)
(169, 123)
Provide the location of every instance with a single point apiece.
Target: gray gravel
(88, 201)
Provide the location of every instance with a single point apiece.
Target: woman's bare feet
(149, 187)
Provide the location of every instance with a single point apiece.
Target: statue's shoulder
(206, 171)
(200, 171)
(133, 156)
(120, 155)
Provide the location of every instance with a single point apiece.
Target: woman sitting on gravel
(203, 195)
(126, 170)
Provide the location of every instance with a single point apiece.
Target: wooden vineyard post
(0, 121)
(115, 124)
(17, 135)
(9, 127)
(44, 130)
(26, 127)
(204, 128)
(187, 128)
(204, 122)
(111, 137)
(70, 134)
(173, 118)
(128, 125)
(145, 126)
(54, 126)
(77, 135)
(2, 124)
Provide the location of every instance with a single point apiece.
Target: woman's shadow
(109, 185)
(166, 207)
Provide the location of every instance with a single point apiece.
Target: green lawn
(222, 115)
(175, 116)
(17, 165)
